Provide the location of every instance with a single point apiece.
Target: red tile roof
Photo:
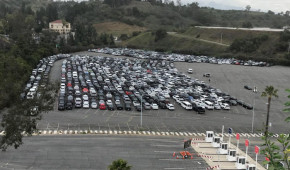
(57, 21)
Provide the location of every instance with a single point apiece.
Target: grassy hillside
(228, 36)
(174, 43)
(117, 28)
(201, 41)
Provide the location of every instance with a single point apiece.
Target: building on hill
(60, 26)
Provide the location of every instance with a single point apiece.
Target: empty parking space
(89, 152)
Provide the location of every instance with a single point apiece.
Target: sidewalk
(219, 161)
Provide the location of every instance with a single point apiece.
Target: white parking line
(164, 151)
(169, 159)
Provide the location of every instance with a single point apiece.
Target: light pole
(253, 112)
(141, 109)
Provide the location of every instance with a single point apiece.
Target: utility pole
(141, 109)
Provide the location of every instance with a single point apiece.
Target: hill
(175, 43)
(34, 4)
(226, 36)
(117, 28)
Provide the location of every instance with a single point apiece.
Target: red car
(102, 106)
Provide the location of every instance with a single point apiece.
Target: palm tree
(269, 92)
(119, 164)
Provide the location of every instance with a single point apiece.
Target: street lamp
(141, 108)
(253, 113)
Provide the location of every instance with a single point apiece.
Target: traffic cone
(173, 154)
(177, 157)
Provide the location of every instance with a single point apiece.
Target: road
(198, 39)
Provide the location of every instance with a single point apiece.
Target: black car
(240, 102)
(119, 106)
(233, 102)
(248, 106)
(247, 87)
(69, 106)
(110, 107)
(138, 108)
(198, 109)
(61, 105)
(162, 105)
(128, 107)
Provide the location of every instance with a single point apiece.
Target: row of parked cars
(39, 79)
(100, 82)
(137, 53)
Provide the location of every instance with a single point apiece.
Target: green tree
(247, 24)
(248, 8)
(274, 153)
(287, 104)
(160, 34)
(119, 164)
(269, 92)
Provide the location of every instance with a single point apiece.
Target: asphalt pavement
(97, 152)
(228, 78)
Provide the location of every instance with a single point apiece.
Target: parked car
(69, 105)
(128, 107)
(248, 87)
(154, 106)
(147, 106)
(102, 106)
(170, 106)
(94, 105)
(225, 106)
(86, 104)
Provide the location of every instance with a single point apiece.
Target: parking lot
(97, 152)
(228, 78)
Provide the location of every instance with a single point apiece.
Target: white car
(217, 106)
(154, 106)
(170, 106)
(94, 105)
(86, 105)
(109, 102)
(135, 103)
(166, 95)
(225, 106)
(175, 97)
(85, 97)
(62, 86)
(180, 100)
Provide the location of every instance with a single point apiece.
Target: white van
(209, 105)
(186, 105)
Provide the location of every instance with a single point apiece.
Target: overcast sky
(263, 5)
